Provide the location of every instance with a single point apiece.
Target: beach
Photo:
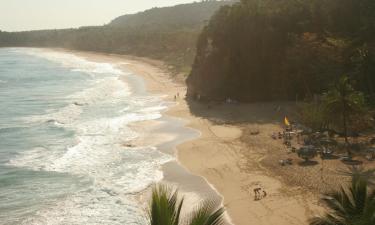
(186, 112)
(217, 153)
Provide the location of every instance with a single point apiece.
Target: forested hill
(186, 15)
(168, 34)
(285, 49)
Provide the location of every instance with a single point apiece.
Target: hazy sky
(17, 15)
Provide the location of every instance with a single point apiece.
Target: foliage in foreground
(166, 206)
(353, 205)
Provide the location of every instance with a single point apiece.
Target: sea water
(63, 124)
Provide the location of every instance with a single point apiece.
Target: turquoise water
(63, 122)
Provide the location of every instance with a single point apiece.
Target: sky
(21, 15)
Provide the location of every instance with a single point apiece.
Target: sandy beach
(221, 152)
(226, 112)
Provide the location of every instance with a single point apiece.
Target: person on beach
(257, 193)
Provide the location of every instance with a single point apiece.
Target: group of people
(276, 136)
(176, 96)
(259, 193)
(286, 136)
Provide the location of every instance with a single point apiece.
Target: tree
(312, 114)
(342, 102)
(165, 209)
(363, 61)
(354, 205)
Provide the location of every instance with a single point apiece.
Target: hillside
(285, 50)
(167, 34)
(185, 15)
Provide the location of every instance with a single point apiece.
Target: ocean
(63, 124)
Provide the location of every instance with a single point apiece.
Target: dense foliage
(343, 105)
(168, 34)
(341, 109)
(258, 50)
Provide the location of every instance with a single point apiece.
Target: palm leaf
(165, 208)
(354, 205)
(326, 220)
(207, 213)
(358, 172)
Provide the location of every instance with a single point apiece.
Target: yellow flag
(286, 121)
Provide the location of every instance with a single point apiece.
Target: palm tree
(343, 100)
(355, 206)
(165, 209)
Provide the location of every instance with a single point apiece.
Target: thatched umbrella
(307, 152)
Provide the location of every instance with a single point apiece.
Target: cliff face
(240, 55)
(283, 50)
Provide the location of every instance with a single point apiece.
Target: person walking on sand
(257, 193)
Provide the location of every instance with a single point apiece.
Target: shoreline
(172, 130)
(219, 156)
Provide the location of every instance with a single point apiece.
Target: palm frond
(354, 205)
(358, 172)
(165, 207)
(325, 220)
(359, 193)
(207, 213)
(335, 202)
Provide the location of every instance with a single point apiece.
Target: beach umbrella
(307, 152)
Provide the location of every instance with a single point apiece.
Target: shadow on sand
(352, 162)
(308, 163)
(330, 157)
(221, 112)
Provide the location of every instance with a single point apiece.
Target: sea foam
(99, 116)
(75, 62)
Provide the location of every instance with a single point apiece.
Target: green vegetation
(165, 209)
(261, 50)
(342, 103)
(313, 115)
(341, 110)
(167, 34)
(354, 205)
